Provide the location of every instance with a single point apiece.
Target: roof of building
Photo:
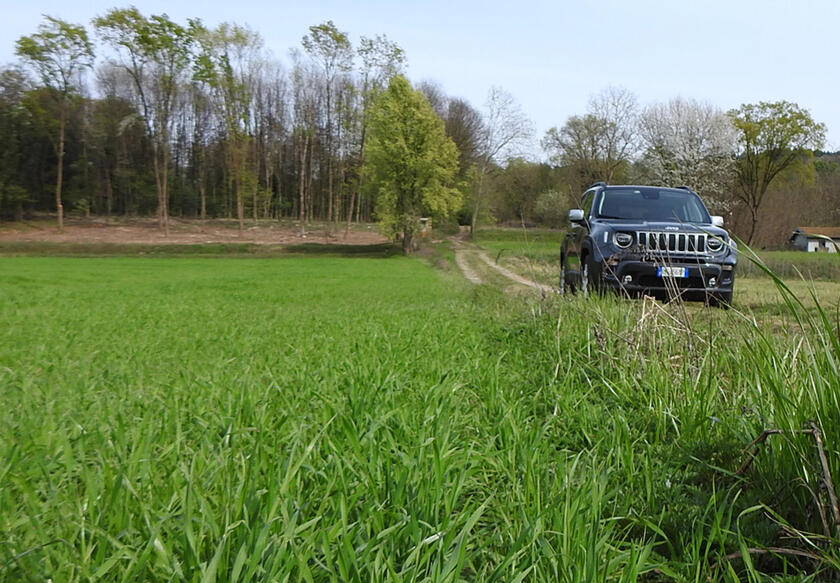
(833, 232)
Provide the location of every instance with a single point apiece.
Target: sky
(551, 56)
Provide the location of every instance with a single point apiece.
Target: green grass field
(319, 418)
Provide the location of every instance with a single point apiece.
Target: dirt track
(191, 232)
(464, 255)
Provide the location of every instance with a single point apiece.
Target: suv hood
(662, 226)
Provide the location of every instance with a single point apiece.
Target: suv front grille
(676, 243)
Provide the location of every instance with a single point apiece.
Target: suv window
(652, 204)
(586, 202)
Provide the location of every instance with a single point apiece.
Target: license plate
(667, 271)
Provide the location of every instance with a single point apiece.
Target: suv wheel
(590, 276)
(566, 286)
(585, 277)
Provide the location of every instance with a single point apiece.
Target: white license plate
(667, 271)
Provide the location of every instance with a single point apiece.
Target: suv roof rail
(684, 187)
(594, 184)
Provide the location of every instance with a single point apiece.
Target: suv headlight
(714, 244)
(623, 240)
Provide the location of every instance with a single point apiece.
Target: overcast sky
(552, 56)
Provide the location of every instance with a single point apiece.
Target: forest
(138, 115)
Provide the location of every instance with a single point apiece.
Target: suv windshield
(651, 204)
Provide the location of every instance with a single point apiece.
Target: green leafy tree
(513, 190)
(331, 48)
(156, 53)
(58, 53)
(381, 59)
(411, 162)
(551, 208)
(13, 88)
(772, 138)
(229, 64)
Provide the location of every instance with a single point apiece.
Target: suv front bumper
(641, 277)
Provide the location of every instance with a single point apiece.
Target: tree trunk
(349, 215)
(163, 223)
(164, 196)
(202, 191)
(754, 222)
(237, 184)
(303, 187)
(478, 195)
(60, 171)
(330, 192)
(279, 181)
(109, 193)
(254, 202)
(407, 242)
(310, 190)
(350, 209)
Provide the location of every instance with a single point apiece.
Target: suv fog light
(628, 279)
(712, 281)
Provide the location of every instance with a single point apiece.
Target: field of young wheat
(318, 418)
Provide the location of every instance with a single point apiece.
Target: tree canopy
(771, 138)
(411, 163)
(58, 52)
(599, 144)
(687, 142)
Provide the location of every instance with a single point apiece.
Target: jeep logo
(672, 228)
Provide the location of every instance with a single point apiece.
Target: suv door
(573, 241)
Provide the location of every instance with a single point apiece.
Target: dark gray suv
(648, 240)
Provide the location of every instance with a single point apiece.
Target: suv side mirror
(576, 215)
(717, 221)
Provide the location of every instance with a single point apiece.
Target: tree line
(732, 158)
(178, 118)
(181, 119)
(188, 120)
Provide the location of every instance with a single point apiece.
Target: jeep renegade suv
(648, 240)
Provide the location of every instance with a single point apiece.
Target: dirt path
(513, 276)
(461, 253)
(183, 232)
(465, 251)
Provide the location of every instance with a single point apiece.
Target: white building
(812, 239)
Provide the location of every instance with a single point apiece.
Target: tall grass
(793, 265)
(333, 419)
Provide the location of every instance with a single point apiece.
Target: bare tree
(271, 125)
(304, 120)
(600, 144)
(689, 143)
(435, 95)
(619, 109)
(507, 132)
(464, 124)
